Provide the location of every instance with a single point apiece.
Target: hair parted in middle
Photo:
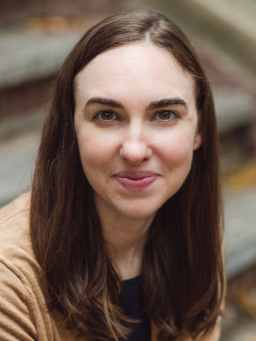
(182, 269)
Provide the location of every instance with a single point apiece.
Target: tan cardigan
(23, 296)
(24, 315)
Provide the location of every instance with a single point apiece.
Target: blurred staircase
(32, 51)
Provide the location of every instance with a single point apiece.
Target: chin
(138, 210)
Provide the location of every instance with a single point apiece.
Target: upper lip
(135, 175)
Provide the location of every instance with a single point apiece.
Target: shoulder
(15, 215)
(16, 249)
(15, 241)
(21, 289)
(20, 204)
(24, 298)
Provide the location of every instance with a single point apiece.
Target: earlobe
(198, 141)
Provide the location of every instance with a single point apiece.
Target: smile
(136, 181)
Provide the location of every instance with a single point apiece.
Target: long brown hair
(182, 269)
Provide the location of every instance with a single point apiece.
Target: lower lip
(136, 185)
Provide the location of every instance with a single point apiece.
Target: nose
(135, 147)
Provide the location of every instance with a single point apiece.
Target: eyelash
(108, 122)
(171, 112)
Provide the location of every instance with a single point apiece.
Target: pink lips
(136, 181)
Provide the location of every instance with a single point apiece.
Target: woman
(124, 214)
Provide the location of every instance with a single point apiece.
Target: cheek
(96, 152)
(177, 160)
(178, 164)
(177, 150)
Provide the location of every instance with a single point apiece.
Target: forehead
(135, 69)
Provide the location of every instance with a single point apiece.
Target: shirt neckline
(132, 281)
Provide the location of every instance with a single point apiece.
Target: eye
(106, 115)
(166, 115)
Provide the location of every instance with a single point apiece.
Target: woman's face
(136, 126)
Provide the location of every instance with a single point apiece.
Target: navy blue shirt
(131, 302)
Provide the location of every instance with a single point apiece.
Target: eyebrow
(165, 102)
(100, 100)
(153, 105)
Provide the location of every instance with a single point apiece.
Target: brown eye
(164, 115)
(107, 115)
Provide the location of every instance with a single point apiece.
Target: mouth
(136, 181)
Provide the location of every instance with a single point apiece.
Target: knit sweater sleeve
(16, 323)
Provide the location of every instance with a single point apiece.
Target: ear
(197, 141)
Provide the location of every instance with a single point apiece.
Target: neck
(125, 239)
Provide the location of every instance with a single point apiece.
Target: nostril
(135, 153)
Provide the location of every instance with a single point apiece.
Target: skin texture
(134, 137)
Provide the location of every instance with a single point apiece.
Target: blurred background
(36, 36)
